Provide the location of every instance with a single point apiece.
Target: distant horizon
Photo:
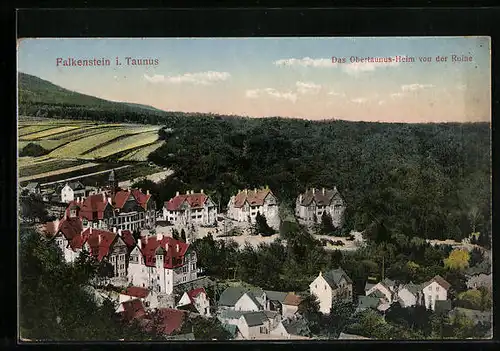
(276, 77)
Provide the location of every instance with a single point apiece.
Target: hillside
(34, 90)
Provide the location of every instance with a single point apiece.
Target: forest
(427, 180)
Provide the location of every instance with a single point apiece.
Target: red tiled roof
(151, 244)
(78, 240)
(93, 204)
(52, 228)
(292, 300)
(193, 200)
(141, 198)
(133, 309)
(128, 238)
(100, 249)
(192, 294)
(320, 198)
(254, 198)
(120, 198)
(170, 320)
(136, 292)
(70, 227)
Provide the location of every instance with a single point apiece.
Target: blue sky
(289, 77)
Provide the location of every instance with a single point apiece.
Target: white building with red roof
(160, 263)
(244, 206)
(196, 299)
(190, 208)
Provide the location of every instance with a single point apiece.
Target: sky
(287, 77)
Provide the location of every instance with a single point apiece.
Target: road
(82, 176)
(155, 177)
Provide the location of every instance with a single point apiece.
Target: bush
(33, 150)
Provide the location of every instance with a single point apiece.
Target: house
(332, 285)
(313, 203)
(72, 190)
(292, 329)
(33, 188)
(241, 299)
(345, 336)
(198, 299)
(190, 208)
(386, 287)
(434, 290)
(291, 305)
(131, 309)
(107, 246)
(371, 302)
(244, 206)
(67, 236)
(254, 324)
(168, 320)
(147, 297)
(229, 317)
(409, 294)
(273, 300)
(160, 263)
(123, 209)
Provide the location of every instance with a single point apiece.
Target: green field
(78, 146)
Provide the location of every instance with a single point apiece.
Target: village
(153, 267)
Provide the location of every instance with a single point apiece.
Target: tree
(475, 217)
(340, 314)
(458, 260)
(476, 257)
(33, 150)
(327, 227)
(309, 309)
(205, 329)
(33, 209)
(261, 226)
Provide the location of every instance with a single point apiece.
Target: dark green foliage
(33, 150)
(205, 329)
(261, 226)
(476, 257)
(32, 208)
(327, 227)
(53, 306)
(183, 235)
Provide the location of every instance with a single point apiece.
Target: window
(437, 288)
(315, 286)
(325, 287)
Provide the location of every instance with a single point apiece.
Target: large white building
(160, 263)
(434, 290)
(312, 204)
(244, 206)
(190, 208)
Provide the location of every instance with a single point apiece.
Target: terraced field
(80, 147)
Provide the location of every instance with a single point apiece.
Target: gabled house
(241, 299)
(161, 263)
(291, 305)
(244, 206)
(273, 300)
(168, 320)
(190, 208)
(295, 329)
(198, 299)
(33, 188)
(109, 247)
(72, 190)
(371, 302)
(434, 290)
(313, 203)
(254, 324)
(135, 292)
(131, 309)
(386, 287)
(409, 294)
(330, 286)
(67, 236)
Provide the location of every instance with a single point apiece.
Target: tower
(112, 182)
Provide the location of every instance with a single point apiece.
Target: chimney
(201, 191)
(146, 238)
(192, 192)
(90, 229)
(119, 232)
(114, 229)
(323, 191)
(176, 193)
(147, 192)
(159, 236)
(313, 190)
(109, 200)
(334, 188)
(103, 197)
(300, 198)
(139, 243)
(99, 239)
(177, 247)
(254, 190)
(246, 191)
(187, 192)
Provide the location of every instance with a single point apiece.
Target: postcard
(307, 188)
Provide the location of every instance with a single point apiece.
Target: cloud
(358, 67)
(199, 78)
(256, 93)
(334, 93)
(359, 100)
(305, 62)
(415, 87)
(307, 88)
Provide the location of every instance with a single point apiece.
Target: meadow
(80, 146)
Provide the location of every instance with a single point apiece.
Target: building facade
(434, 290)
(190, 208)
(330, 286)
(312, 204)
(160, 263)
(244, 206)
